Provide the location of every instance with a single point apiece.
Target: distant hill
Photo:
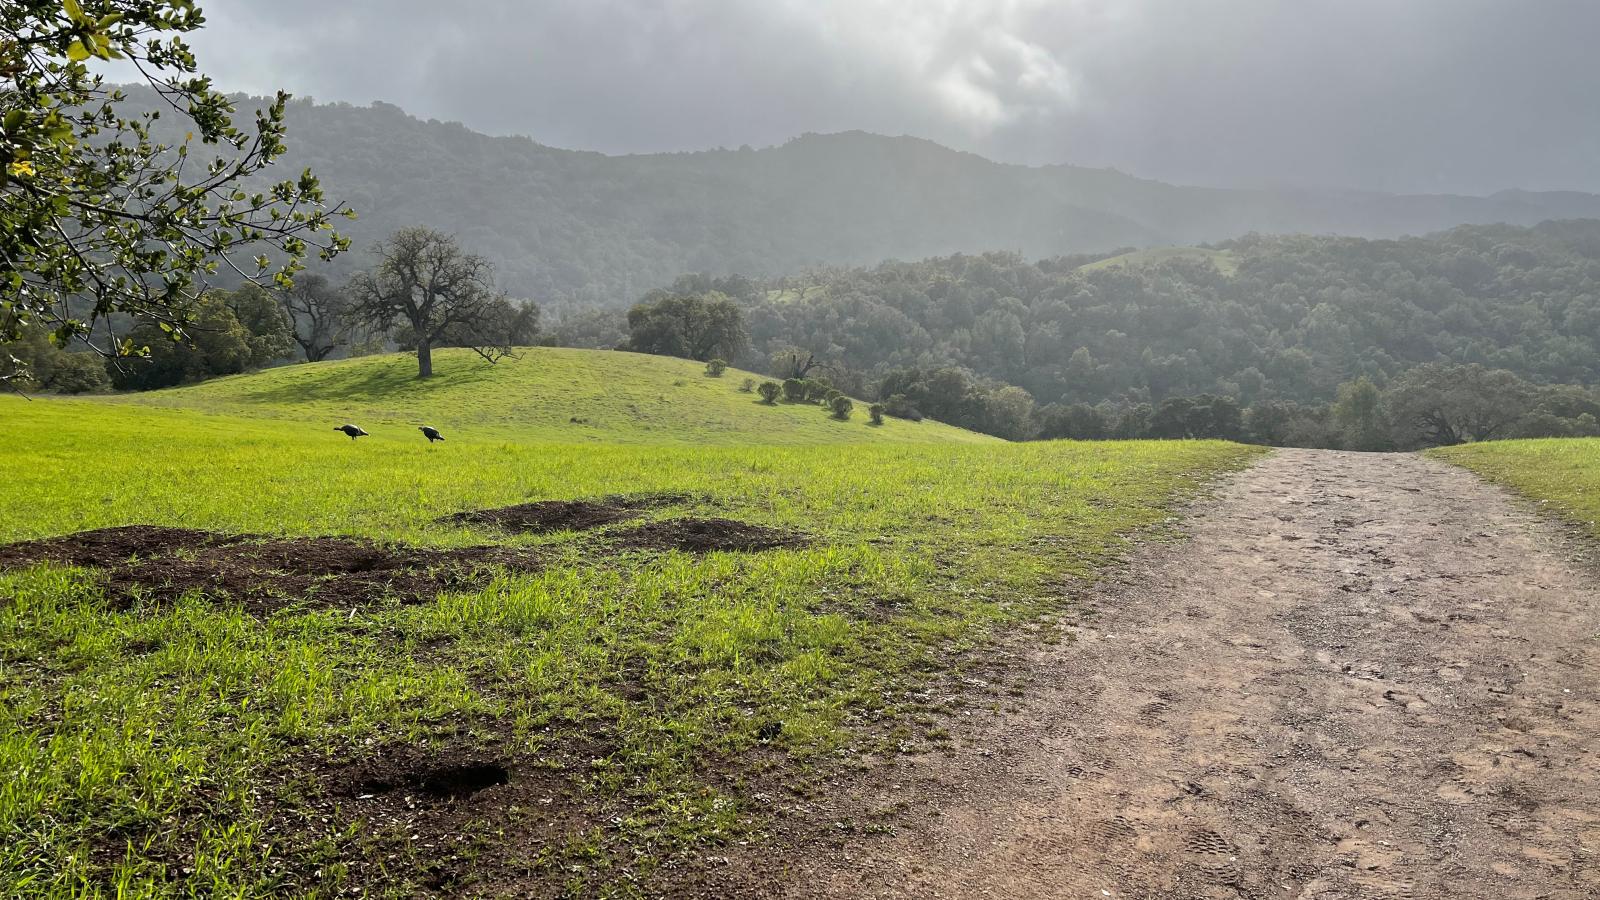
(565, 225)
(543, 394)
(1285, 317)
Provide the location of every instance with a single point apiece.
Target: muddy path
(1364, 676)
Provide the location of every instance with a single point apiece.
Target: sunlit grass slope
(1563, 473)
(574, 396)
(1222, 259)
(174, 729)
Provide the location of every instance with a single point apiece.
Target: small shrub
(716, 367)
(841, 406)
(900, 407)
(818, 390)
(769, 391)
(794, 390)
(748, 385)
(876, 412)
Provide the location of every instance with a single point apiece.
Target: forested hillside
(564, 227)
(1300, 316)
(1255, 338)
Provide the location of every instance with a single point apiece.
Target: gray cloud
(1402, 95)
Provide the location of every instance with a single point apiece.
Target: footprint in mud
(1385, 889)
(1115, 830)
(1206, 841)
(1153, 714)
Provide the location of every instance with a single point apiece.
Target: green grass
(173, 728)
(1224, 260)
(571, 396)
(1561, 473)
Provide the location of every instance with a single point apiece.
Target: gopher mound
(145, 564)
(544, 516)
(106, 547)
(706, 535)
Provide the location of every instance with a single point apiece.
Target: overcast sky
(1402, 95)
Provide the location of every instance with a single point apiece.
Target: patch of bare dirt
(1365, 676)
(705, 536)
(149, 564)
(111, 546)
(459, 820)
(544, 516)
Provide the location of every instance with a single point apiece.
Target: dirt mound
(150, 564)
(544, 516)
(110, 546)
(706, 535)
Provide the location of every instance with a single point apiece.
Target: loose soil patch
(106, 547)
(544, 516)
(144, 563)
(464, 819)
(706, 535)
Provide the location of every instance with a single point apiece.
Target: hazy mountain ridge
(565, 225)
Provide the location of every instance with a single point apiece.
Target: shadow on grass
(397, 380)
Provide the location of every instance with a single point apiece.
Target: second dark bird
(431, 433)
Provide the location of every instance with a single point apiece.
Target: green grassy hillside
(545, 394)
(1224, 260)
(1562, 473)
(201, 741)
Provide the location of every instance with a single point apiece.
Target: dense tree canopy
(230, 332)
(97, 215)
(1297, 342)
(1300, 316)
(693, 326)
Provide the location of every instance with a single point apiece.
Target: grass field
(1222, 259)
(1562, 473)
(571, 396)
(629, 698)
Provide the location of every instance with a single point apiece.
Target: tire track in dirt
(1365, 676)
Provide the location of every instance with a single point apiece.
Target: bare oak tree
(425, 283)
(323, 315)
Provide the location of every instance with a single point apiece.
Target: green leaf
(77, 52)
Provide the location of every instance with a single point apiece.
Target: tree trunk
(424, 359)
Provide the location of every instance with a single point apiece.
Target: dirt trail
(1365, 676)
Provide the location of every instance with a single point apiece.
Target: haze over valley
(706, 449)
